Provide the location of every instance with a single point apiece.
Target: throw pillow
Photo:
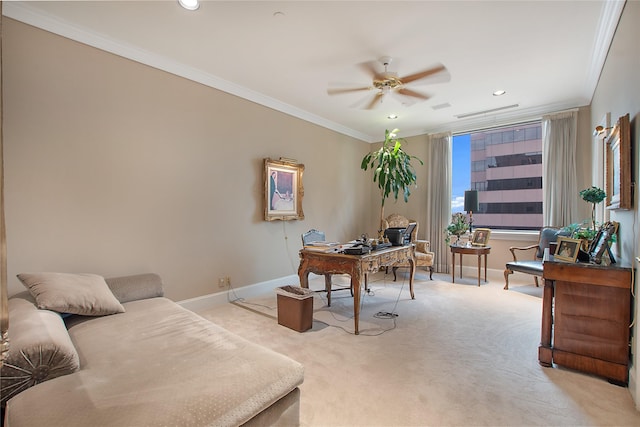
(40, 348)
(84, 294)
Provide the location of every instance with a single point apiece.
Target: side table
(470, 250)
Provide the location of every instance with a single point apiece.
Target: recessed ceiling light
(189, 4)
(392, 116)
(499, 92)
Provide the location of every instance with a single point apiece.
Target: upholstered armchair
(424, 257)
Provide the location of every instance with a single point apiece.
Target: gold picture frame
(480, 237)
(283, 190)
(567, 249)
(618, 166)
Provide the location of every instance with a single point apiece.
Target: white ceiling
(547, 55)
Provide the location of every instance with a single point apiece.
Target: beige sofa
(155, 364)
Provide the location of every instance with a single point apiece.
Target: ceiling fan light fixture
(189, 4)
(388, 83)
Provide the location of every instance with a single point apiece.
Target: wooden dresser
(586, 311)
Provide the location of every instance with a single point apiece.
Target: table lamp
(471, 205)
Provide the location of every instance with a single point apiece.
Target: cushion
(529, 267)
(40, 348)
(136, 287)
(85, 294)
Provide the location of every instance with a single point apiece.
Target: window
(505, 166)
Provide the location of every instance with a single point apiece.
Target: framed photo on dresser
(567, 249)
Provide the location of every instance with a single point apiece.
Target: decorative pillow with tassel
(40, 348)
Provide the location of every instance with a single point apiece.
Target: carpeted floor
(457, 355)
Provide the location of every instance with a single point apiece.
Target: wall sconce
(600, 129)
(471, 205)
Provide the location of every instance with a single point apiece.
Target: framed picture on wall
(618, 166)
(283, 190)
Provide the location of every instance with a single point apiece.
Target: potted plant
(457, 227)
(593, 195)
(392, 169)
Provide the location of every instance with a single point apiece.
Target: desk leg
(327, 288)
(355, 284)
(453, 267)
(303, 274)
(479, 262)
(461, 265)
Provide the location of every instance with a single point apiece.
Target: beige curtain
(560, 182)
(439, 196)
(4, 310)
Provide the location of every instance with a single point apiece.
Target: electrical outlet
(224, 282)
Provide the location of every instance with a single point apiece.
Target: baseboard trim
(250, 291)
(264, 288)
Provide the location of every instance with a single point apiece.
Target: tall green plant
(392, 169)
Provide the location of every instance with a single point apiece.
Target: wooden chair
(314, 235)
(533, 264)
(424, 257)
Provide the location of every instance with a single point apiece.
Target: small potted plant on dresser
(593, 195)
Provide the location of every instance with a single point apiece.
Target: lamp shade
(471, 201)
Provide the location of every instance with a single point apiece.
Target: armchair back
(548, 235)
(397, 220)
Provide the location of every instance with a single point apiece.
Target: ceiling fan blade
(408, 92)
(369, 68)
(427, 73)
(374, 101)
(339, 91)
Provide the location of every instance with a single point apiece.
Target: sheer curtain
(439, 147)
(560, 187)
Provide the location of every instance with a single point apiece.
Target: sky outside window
(461, 171)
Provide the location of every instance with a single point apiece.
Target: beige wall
(618, 93)
(115, 168)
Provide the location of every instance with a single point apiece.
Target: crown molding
(609, 18)
(31, 15)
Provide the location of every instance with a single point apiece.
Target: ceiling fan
(388, 82)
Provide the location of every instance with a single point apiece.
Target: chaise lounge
(150, 363)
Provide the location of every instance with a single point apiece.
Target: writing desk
(356, 266)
